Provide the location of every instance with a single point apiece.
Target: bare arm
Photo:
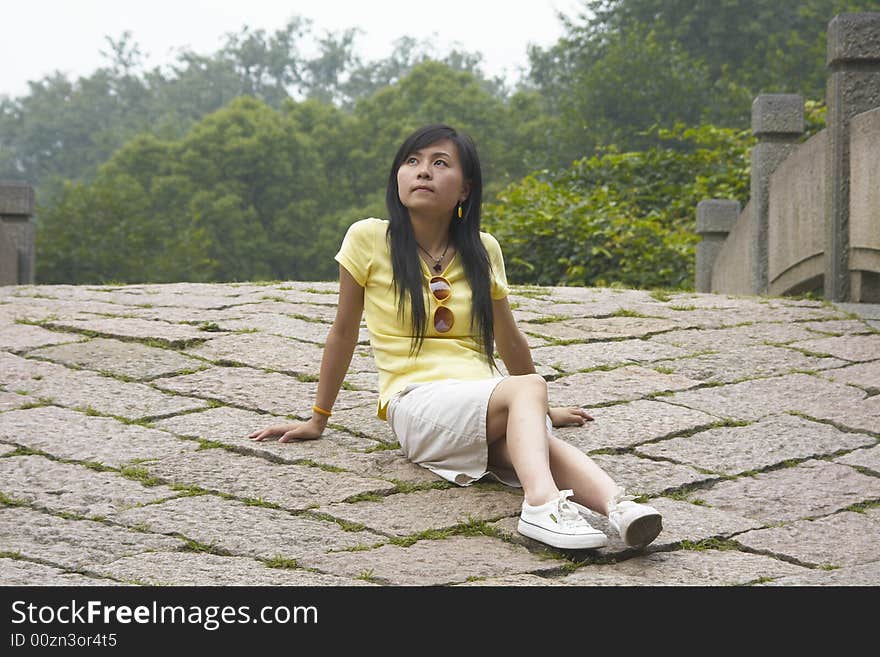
(513, 347)
(338, 350)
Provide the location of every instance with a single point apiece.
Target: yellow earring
(459, 210)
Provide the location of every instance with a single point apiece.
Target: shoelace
(568, 515)
(621, 496)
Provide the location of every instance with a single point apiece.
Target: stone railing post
(778, 123)
(715, 219)
(16, 234)
(853, 87)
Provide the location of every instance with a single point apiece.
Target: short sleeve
(499, 288)
(356, 252)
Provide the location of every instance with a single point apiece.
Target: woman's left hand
(566, 416)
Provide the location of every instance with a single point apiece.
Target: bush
(620, 218)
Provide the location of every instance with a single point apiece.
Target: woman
(435, 295)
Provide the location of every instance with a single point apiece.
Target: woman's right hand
(289, 432)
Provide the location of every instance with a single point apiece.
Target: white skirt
(441, 426)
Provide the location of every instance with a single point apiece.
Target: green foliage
(626, 65)
(221, 204)
(251, 192)
(623, 218)
(250, 163)
(766, 47)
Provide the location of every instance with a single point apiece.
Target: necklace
(437, 268)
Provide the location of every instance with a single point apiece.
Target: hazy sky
(42, 36)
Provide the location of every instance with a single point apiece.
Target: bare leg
(573, 469)
(518, 438)
(517, 434)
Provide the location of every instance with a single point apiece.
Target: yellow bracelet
(321, 411)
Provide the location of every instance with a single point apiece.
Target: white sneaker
(559, 524)
(637, 524)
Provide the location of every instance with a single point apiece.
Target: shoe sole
(565, 541)
(642, 531)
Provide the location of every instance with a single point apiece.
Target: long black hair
(464, 233)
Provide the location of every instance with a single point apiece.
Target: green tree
(767, 47)
(434, 92)
(626, 65)
(235, 199)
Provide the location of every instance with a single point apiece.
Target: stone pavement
(751, 423)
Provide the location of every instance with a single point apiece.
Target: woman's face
(431, 182)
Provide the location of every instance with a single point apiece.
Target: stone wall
(796, 213)
(864, 206)
(813, 219)
(16, 234)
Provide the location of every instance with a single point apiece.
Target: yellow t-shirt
(366, 255)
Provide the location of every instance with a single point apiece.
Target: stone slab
(687, 317)
(782, 310)
(279, 325)
(863, 458)
(840, 327)
(752, 362)
(129, 359)
(864, 310)
(742, 313)
(685, 568)
(584, 295)
(80, 389)
(625, 425)
(73, 544)
(819, 542)
(580, 357)
(863, 415)
(856, 348)
(185, 315)
(620, 384)
(41, 309)
(293, 487)
(202, 569)
(810, 489)
(231, 427)
(752, 400)
(368, 381)
(734, 338)
(362, 420)
(434, 563)
(317, 312)
(609, 328)
(193, 295)
(683, 521)
(19, 572)
(406, 514)
(768, 442)
(641, 476)
(862, 575)
(273, 352)
(132, 327)
(244, 530)
(864, 375)
(20, 338)
(70, 435)
(73, 488)
(257, 390)
(13, 400)
(7, 449)
(514, 580)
